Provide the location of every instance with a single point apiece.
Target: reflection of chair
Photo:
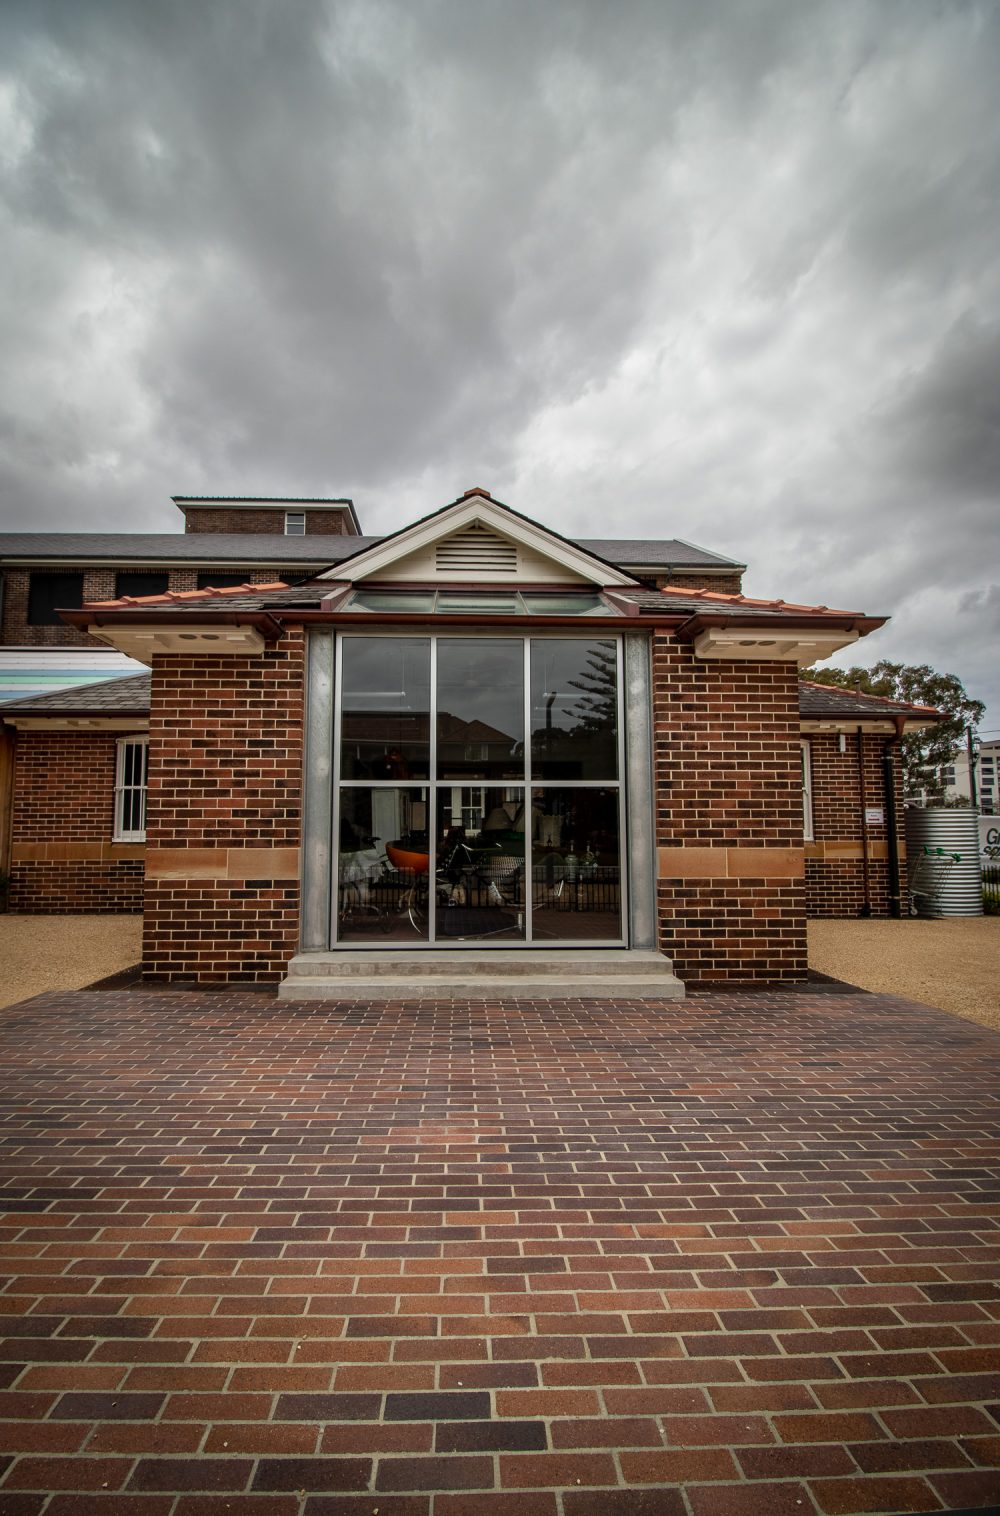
(500, 873)
(401, 858)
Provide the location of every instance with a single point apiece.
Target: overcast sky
(728, 271)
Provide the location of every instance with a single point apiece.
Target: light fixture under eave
(801, 645)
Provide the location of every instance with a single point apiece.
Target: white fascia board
(802, 645)
(144, 642)
(878, 725)
(437, 528)
(64, 722)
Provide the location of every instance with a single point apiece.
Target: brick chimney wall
(234, 518)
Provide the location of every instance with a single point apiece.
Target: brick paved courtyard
(732, 1256)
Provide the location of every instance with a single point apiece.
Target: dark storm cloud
(727, 272)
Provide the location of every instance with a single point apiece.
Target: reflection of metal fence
(991, 881)
(597, 888)
(376, 898)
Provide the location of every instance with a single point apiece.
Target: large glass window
(515, 834)
(576, 863)
(383, 861)
(385, 708)
(574, 709)
(480, 708)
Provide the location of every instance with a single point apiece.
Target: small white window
(295, 523)
(130, 789)
(807, 793)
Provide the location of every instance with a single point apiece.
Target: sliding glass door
(478, 791)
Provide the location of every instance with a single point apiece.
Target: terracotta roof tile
(722, 598)
(186, 597)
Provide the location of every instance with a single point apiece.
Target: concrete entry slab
(443, 974)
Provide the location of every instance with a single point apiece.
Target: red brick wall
(834, 860)
(726, 584)
(63, 860)
(224, 815)
(245, 519)
(728, 815)
(98, 584)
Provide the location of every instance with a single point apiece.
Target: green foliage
(927, 751)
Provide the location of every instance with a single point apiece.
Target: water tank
(953, 887)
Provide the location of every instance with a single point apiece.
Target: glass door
(478, 791)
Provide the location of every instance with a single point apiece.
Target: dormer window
(295, 523)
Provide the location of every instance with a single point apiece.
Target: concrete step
(565, 987)
(503, 975)
(612, 963)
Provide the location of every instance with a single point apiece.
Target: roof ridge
(729, 597)
(184, 597)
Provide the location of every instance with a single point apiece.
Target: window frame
(808, 821)
(121, 833)
(295, 516)
(70, 600)
(160, 575)
(224, 580)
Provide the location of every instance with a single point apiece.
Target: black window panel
(139, 582)
(49, 593)
(212, 579)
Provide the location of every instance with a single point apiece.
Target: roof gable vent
(476, 550)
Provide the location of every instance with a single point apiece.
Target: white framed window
(131, 772)
(807, 792)
(295, 523)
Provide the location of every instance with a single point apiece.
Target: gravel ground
(954, 965)
(39, 953)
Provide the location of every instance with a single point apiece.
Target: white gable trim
(486, 513)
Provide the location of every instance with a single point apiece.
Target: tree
(925, 753)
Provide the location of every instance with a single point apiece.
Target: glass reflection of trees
(574, 709)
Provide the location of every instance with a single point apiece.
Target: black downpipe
(866, 908)
(892, 836)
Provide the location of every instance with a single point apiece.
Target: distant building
(987, 772)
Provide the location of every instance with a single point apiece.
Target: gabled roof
(477, 508)
(154, 548)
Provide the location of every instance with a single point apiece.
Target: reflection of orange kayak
(410, 863)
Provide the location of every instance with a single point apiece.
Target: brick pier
(729, 1256)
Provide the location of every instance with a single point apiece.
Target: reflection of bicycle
(462, 874)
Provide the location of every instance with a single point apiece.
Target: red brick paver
(734, 1256)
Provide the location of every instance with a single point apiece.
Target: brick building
(471, 737)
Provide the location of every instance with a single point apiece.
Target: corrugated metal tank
(957, 887)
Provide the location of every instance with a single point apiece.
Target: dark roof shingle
(263, 547)
(110, 697)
